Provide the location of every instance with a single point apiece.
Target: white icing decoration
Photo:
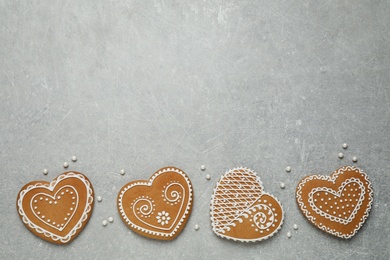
(333, 179)
(66, 237)
(50, 202)
(229, 214)
(173, 194)
(66, 165)
(338, 194)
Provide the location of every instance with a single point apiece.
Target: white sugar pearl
(45, 171)
(99, 198)
(104, 223)
(288, 235)
(208, 176)
(74, 158)
(282, 185)
(354, 159)
(110, 219)
(341, 155)
(196, 227)
(288, 169)
(295, 226)
(203, 167)
(122, 172)
(345, 145)
(66, 165)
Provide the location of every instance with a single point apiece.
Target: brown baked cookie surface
(56, 211)
(240, 209)
(338, 204)
(157, 208)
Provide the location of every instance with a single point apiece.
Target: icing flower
(163, 218)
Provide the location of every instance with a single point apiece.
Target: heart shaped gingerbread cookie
(338, 204)
(56, 211)
(241, 210)
(157, 208)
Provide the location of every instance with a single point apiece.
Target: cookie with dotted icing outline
(240, 209)
(56, 211)
(338, 204)
(157, 208)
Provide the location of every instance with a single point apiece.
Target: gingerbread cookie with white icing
(157, 208)
(57, 211)
(240, 209)
(338, 204)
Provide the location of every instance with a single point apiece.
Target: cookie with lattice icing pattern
(338, 204)
(56, 211)
(241, 210)
(157, 208)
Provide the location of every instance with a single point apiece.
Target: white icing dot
(45, 171)
(208, 177)
(354, 159)
(58, 197)
(122, 172)
(50, 202)
(288, 235)
(196, 227)
(66, 165)
(282, 185)
(65, 218)
(48, 220)
(288, 169)
(104, 223)
(295, 226)
(74, 158)
(341, 155)
(110, 219)
(345, 145)
(202, 167)
(43, 216)
(46, 199)
(55, 202)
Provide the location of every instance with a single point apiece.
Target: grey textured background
(144, 84)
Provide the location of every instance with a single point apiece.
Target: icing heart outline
(338, 194)
(53, 197)
(332, 179)
(177, 223)
(257, 202)
(50, 186)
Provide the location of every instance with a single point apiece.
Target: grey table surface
(140, 85)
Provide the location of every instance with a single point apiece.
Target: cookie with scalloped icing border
(240, 209)
(338, 204)
(56, 211)
(157, 208)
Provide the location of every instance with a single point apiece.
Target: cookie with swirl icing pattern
(157, 208)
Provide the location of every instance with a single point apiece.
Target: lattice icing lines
(241, 210)
(338, 204)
